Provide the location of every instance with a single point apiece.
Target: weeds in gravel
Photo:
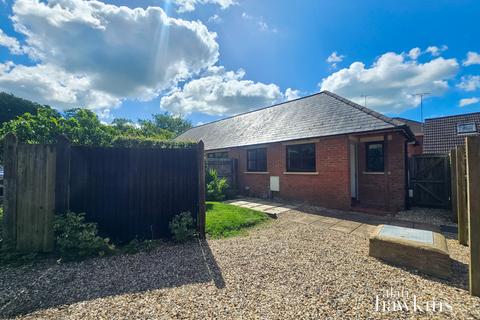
(225, 220)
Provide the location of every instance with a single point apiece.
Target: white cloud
(190, 5)
(215, 19)
(414, 53)
(334, 58)
(260, 22)
(53, 86)
(469, 83)
(291, 94)
(391, 81)
(11, 43)
(467, 101)
(436, 51)
(221, 92)
(116, 52)
(472, 58)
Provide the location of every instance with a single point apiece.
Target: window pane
(257, 160)
(301, 158)
(375, 157)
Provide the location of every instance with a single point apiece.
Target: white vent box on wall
(274, 183)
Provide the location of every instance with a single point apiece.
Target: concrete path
(359, 224)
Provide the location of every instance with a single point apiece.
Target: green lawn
(225, 220)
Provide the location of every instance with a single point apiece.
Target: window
(466, 128)
(257, 160)
(375, 157)
(301, 158)
(217, 155)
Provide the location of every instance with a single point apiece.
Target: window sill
(377, 173)
(257, 172)
(302, 173)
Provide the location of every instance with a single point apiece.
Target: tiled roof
(441, 133)
(415, 126)
(318, 115)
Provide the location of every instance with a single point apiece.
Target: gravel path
(282, 270)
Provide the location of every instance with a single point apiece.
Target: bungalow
(321, 149)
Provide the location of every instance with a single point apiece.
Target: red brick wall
(384, 191)
(329, 188)
(417, 148)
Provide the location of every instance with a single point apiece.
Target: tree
(11, 107)
(169, 122)
(81, 126)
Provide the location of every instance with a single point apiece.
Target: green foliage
(76, 239)
(169, 122)
(216, 187)
(225, 220)
(145, 142)
(12, 107)
(182, 227)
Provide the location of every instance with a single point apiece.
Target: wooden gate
(430, 181)
(30, 195)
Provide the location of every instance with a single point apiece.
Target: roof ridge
(453, 116)
(368, 111)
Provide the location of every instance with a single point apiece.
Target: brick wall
(384, 191)
(417, 148)
(329, 187)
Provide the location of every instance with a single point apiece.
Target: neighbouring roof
(415, 126)
(441, 133)
(318, 115)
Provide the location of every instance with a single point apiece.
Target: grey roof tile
(318, 115)
(440, 134)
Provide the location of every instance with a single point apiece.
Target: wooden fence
(129, 192)
(466, 185)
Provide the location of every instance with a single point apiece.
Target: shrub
(77, 239)
(216, 187)
(182, 227)
(146, 142)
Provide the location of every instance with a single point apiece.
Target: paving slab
(345, 226)
(322, 225)
(364, 230)
(308, 218)
(277, 210)
(264, 207)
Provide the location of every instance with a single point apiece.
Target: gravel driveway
(281, 270)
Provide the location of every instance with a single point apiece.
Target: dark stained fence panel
(430, 181)
(133, 192)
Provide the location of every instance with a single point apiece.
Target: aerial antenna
(421, 95)
(365, 101)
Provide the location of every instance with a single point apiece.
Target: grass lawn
(225, 220)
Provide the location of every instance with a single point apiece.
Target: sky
(210, 59)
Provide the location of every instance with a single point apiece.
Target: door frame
(353, 169)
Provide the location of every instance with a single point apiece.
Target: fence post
(62, 181)
(453, 183)
(10, 185)
(462, 197)
(201, 189)
(473, 187)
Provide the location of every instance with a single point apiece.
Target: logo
(391, 301)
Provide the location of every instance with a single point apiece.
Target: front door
(353, 170)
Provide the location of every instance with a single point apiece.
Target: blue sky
(221, 57)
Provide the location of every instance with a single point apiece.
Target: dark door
(430, 181)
